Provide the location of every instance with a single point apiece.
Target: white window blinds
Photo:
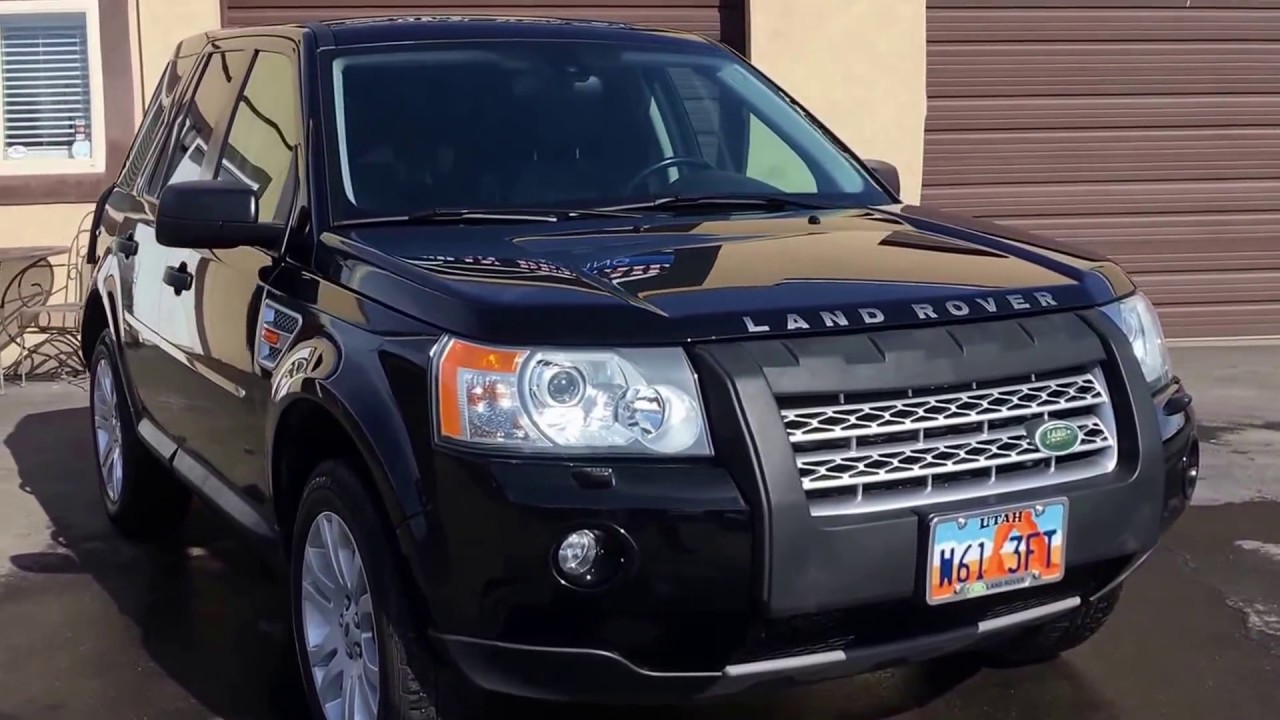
(44, 86)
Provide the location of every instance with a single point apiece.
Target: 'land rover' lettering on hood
(989, 305)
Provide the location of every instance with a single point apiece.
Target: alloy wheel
(338, 622)
(106, 427)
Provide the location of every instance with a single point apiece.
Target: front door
(168, 381)
(216, 323)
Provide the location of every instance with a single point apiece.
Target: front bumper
(586, 675)
(730, 582)
(592, 675)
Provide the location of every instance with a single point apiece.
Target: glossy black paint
(712, 277)
(213, 214)
(477, 533)
(690, 537)
(1116, 516)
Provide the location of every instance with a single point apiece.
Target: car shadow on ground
(211, 612)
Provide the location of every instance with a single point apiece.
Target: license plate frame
(979, 582)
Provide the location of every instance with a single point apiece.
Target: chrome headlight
(640, 401)
(1137, 317)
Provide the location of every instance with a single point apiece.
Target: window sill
(45, 168)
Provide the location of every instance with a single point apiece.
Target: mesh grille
(278, 328)
(947, 443)
(285, 323)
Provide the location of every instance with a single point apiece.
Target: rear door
(124, 242)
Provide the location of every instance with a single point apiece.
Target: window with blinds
(44, 86)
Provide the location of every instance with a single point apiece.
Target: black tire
(152, 503)
(1046, 642)
(414, 684)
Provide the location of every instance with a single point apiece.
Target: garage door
(722, 19)
(1148, 130)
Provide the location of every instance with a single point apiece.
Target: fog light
(577, 554)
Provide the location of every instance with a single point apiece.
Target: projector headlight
(1137, 317)
(640, 401)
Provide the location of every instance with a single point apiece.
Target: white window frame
(97, 160)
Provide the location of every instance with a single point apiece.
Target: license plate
(996, 550)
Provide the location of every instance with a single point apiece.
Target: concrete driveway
(94, 627)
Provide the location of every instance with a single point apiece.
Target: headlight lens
(641, 401)
(1137, 317)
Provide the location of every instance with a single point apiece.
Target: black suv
(577, 361)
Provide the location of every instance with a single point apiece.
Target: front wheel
(350, 619)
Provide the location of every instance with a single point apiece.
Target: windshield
(567, 124)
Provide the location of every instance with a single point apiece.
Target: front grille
(862, 454)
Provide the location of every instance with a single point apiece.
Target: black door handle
(125, 245)
(178, 278)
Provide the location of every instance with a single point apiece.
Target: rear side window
(214, 94)
(151, 130)
(265, 131)
(148, 133)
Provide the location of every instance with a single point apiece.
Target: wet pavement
(94, 627)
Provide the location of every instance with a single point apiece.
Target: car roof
(418, 28)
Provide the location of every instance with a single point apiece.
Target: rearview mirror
(213, 214)
(887, 174)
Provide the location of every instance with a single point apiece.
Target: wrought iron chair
(56, 318)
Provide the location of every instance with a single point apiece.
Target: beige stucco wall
(859, 65)
(157, 26)
(163, 24)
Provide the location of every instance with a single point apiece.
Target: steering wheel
(663, 165)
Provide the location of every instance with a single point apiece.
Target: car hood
(659, 279)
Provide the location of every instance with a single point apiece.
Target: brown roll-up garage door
(1148, 130)
(722, 19)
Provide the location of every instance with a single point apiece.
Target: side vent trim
(277, 327)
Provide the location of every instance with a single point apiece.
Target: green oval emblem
(1056, 437)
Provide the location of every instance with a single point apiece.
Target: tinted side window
(214, 93)
(154, 122)
(148, 132)
(265, 130)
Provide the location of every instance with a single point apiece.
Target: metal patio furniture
(53, 312)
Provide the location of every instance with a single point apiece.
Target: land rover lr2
(576, 361)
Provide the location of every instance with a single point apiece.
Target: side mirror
(213, 215)
(887, 173)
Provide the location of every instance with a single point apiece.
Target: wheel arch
(100, 310)
(94, 321)
(312, 426)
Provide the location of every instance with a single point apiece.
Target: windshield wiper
(446, 216)
(708, 202)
